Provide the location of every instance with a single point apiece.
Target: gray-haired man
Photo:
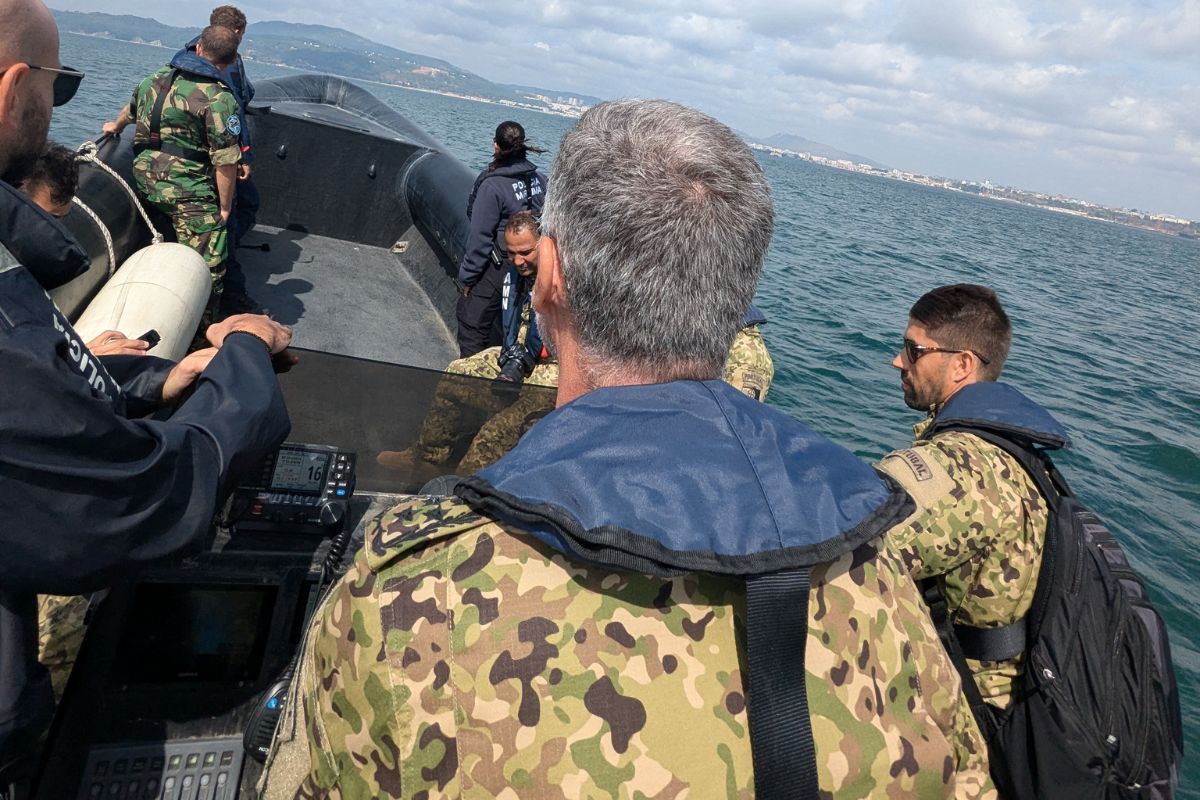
(568, 624)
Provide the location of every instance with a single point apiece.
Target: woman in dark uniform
(509, 184)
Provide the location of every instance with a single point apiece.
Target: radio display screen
(298, 470)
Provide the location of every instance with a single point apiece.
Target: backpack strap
(1000, 644)
(1045, 476)
(992, 644)
(155, 136)
(1052, 486)
(781, 740)
(939, 612)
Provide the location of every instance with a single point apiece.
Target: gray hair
(662, 217)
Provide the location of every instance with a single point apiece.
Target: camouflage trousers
(61, 626)
(199, 226)
(460, 405)
(499, 412)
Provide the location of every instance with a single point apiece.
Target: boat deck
(330, 291)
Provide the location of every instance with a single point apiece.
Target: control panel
(300, 488)
(195, 768)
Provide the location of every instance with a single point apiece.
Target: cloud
(871, 63)
(1007, 85)
(1173, 34)
(970, 29)
(707, 35)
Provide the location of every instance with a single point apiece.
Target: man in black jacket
(86, 491)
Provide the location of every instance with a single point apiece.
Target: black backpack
(1096, 712)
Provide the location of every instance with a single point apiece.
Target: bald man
(87, 491)
(28, 69)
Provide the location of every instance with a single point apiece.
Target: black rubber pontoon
(363, 219)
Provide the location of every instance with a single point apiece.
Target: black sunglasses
(66, 82)
(914, 351)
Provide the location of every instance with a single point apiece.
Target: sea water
(1106, 321)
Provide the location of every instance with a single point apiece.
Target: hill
(798, 144)
(319, 48)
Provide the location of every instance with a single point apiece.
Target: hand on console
(277, 337)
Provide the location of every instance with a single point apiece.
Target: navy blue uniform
(516, 297)
(496, 196)
(86, 492)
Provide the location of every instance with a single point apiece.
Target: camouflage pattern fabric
(980, 530)
(749, 368)
(504, 429)
(199, 114)
(458, 658)
(457, 401)
(486, 364)
(61, 626)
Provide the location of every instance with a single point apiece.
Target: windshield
(407, 425)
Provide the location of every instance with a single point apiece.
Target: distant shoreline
(469, 98)
(929, 183)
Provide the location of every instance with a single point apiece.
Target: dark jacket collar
(688, 476)
(187, 61)
(754, 316)
(1000, 408)
(521, 166)
(38, 241)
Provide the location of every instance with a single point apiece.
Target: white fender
(164, 287)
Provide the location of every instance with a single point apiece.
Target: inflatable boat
(361, 227)
(184, 670)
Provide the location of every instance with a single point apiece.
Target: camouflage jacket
(199, 114)
(749, 368)
(980, 531)
(461, 657)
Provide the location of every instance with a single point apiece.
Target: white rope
(89, 151)
(108, 242)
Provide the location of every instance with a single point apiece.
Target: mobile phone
(151, 338)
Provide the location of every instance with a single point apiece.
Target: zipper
(1081, 547)
(1146, 711)
(1047, 682)
(1117, 640)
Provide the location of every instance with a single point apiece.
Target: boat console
(184, 670)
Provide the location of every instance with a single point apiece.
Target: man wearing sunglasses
(89, 491)
(982, 523)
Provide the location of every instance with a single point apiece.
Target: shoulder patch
(414, 523)
(233, 124)
(915, 462)
(921, 473)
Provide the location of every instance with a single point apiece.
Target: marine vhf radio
(184, 672)
(299, 488)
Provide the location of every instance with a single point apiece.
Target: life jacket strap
(154, 136)
(781, 740)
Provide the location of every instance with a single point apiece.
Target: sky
(1094, 99)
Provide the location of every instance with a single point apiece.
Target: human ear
(965, 364)
(549, 289)
(10, 90)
